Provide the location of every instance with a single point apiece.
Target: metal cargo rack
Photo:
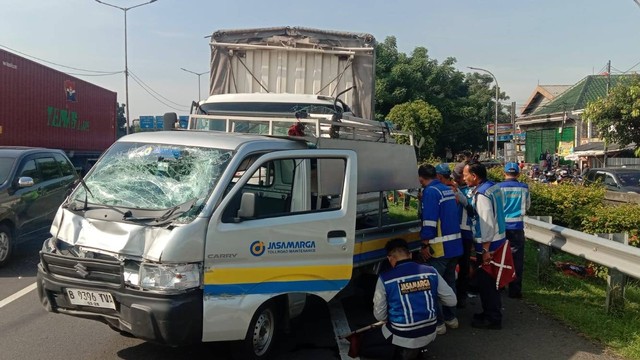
(318, 127)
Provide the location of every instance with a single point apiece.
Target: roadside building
(552, 118)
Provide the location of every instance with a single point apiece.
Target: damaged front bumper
(172, 319)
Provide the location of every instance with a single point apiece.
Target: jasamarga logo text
(291, 247)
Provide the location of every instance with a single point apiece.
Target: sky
(523, 42)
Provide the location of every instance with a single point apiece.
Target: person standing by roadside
(516, 203)
(489, 235)
(464, 265)
(440, 235)
(406, 297)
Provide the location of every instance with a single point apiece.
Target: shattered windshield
(154, 176)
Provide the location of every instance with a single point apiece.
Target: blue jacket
(489, 219)
(516, 203)
(466, 222)
(441, 221)
(407, 297)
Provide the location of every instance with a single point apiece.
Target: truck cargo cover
(295, 60)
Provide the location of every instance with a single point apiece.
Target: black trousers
(489, 295)
(464, 264)
(406, 354)
(516, 240)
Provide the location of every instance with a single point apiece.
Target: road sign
(159, 122)
(184, 121)
(146, 122)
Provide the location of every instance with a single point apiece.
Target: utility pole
(495, 123)
(126, 63)
(198, 75)
(513, 131)
(608, 89)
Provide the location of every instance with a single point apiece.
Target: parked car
(33, 184)
(615, 179)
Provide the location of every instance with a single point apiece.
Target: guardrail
(611, 251)
(617, 198)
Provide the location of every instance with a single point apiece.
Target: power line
(106, 74)
(151, 89)
(155, 97)
(56, 64)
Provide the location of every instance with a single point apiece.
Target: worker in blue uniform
(407, 297)
(516, 203)
(489, 235)
(464, 211)
(440, 234)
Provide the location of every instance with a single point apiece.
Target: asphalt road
(27, 331)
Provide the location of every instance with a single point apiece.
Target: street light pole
(126, 63)
(198, 74)
(495, 124)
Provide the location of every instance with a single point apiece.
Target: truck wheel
(261, 335)
(6, 244)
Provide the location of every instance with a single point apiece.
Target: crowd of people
(467, 223)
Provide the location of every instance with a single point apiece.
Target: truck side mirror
(247, 206)
(25, 182)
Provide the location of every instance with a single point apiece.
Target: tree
(617, 115)
(463, 100)
(420, 119)
(121, 120)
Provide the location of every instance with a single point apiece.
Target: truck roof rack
(315, 127)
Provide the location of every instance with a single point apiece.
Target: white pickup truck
(222, 231)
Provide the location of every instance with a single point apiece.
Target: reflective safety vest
(412, 299)
(495, 220)
(466, 223)
(516, 203)
(441, 220)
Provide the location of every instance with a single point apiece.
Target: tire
(261, 335)
(6, 244)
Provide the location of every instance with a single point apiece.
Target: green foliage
(495, 174)
(420, 119)
(463, 100)
(619, 111)
(569, 205)
(121, 120)
(615, 219)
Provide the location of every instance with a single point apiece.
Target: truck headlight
(169, 277)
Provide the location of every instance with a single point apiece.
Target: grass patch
(580, 304)
(398, 213)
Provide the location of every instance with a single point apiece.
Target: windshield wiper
(87, 192)
(169, 215)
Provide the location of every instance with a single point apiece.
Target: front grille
(94, 270)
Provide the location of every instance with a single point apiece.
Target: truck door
(265, 238)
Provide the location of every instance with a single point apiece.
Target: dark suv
(33, 184)
(615, 179)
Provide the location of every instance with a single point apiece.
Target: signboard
(184, 121)
(502, 129)
(565, 148)
(159, 122)
(146, 122)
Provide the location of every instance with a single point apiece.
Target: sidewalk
(526, 334)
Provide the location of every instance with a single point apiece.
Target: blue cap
(512, 168)
(443, 169)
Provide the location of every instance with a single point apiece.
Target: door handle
(337, 237)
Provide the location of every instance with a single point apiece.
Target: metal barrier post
(544, 255)
(616, 281)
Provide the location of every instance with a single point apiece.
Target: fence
(610, 250)
(617, 198)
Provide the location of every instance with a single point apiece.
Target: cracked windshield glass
(154, 176)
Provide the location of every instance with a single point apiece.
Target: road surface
(27, 331)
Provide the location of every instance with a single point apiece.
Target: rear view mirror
(25, 182)
(247, 206)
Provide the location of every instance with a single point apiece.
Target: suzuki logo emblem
(81, 270)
